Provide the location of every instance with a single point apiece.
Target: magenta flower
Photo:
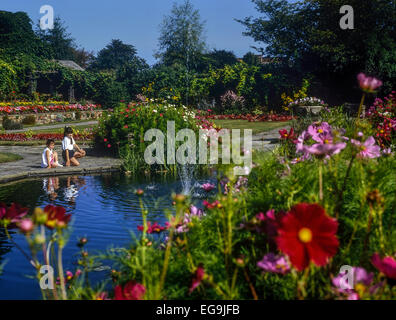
(368, 84)
(11, 215)
(130, 291)
(368, 149)
(274, 263)
(208, 187)
(26, 225)
(321, 133)
(386, 265)
(322, 150)
(354, 290)
(198, 277)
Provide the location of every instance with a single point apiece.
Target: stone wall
(58, 117)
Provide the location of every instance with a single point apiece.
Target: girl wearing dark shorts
(68, 145)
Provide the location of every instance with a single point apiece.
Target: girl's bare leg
(74, 162)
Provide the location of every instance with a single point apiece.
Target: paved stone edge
(58, 172)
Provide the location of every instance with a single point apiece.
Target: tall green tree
(181, 38)
(58, 40)
(17, 35)
(114, 56)
(307, 35)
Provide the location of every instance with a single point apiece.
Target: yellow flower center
(320, 131)
(360, 289)
(305, 235)
(326, 141)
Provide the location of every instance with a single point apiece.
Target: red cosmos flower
(198, 277)
(131, 291)
(11, 215)
(284, 135)
(307, 234)
(56, 217)
(387, 265)
(154, 228)
(212, 205)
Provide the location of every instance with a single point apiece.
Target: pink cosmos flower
(274, 263)
(368, 84)
(321, 133)
(368, 149)
(208, 187)
(360, 276)
(387, 265)
(26, 225)
(321, 150)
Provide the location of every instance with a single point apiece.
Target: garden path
(54, 126)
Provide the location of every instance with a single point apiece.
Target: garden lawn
(257, 127)
(9, 157)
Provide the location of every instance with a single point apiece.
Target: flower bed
(382, 115)
(248, 117)
(17, 137)
(32, 108)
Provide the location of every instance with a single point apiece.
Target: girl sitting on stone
(68, 144)
(49, 158)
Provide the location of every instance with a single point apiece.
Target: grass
(60, 130)
(257, 127)
(9, 157)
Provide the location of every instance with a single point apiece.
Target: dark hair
(68, 130)
(49, 141)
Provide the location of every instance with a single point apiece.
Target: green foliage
(114, 56)
(59, 43)
(181, 36)
(29, 120)
(307, 35)
(8, 80)
(121, 132)
(9, 124)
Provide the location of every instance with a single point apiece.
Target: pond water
(104, 208)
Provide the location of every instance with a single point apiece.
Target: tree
(82, 57)
(181, 40)
(59, 42)
(114, 56)
(17, 35)
(220, 58)
(307, 35)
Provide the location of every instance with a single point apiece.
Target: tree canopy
(181, 38)
(307, 34)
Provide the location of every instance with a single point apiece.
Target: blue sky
(94, 23)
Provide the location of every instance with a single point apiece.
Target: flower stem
(359, 112)
(61, 276)
(321, 182)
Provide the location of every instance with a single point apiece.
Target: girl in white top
(49, 158)
(68, 144)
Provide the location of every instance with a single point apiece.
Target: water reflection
(105, 209)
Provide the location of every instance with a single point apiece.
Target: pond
(105, 209)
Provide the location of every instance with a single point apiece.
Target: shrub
(231, 103)
(9, 124)
(29, 120)
(121, 132)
